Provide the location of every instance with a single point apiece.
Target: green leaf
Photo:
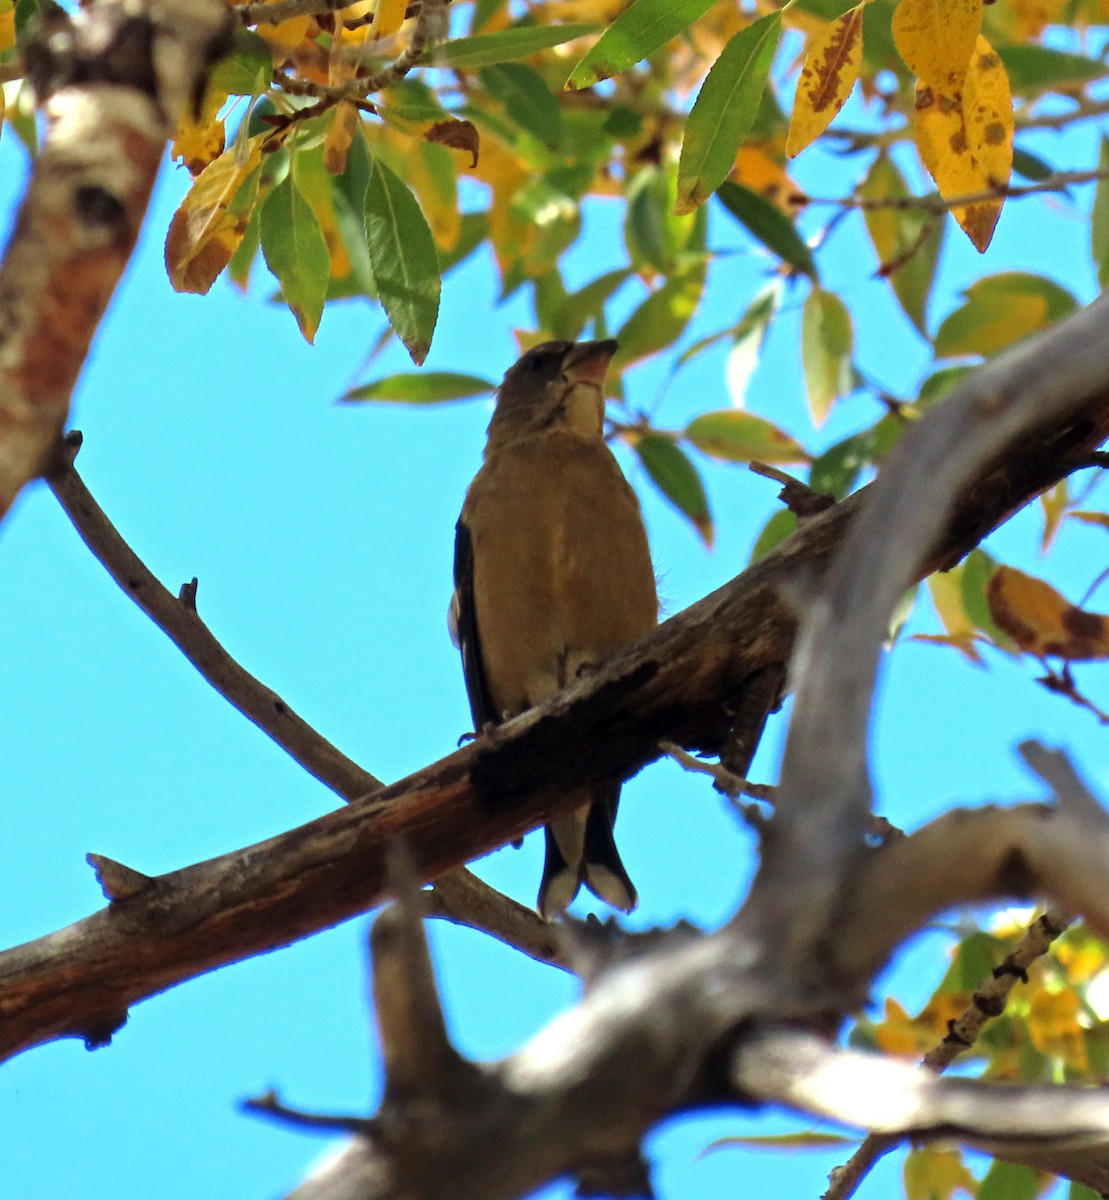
(422, 387)
(676, 478)
(1002, 309)
(526, 99)
(747, 339)
(661, 318)
(403, 259)
(978, 570)
(653, 233)
(737, 436)
(295, 251)
(769, 225)
(1009, 1181)
(520, 41)
(638, 31)
(412, 101)
(248, 70)
(827, 341)
(587, 303)
(774, 532)
(1034, 69)
(837, 469)
(939, 383)
(906, 240)
(724, 110)
(1031, 166)
(1099, 219)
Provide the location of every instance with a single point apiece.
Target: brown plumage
(552, 576)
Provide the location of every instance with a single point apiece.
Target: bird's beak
(587, 362)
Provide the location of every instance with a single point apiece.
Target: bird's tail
(581, 849)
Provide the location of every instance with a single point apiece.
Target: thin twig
(179, 621)
(864, 139)
(1057, 182)
(988, 1001)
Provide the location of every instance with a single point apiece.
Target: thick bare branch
(678, 684)
(1060, 1129)
(823, 799)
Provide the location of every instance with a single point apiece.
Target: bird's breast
(562, 570)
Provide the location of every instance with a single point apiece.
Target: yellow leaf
(1033, 15)
(1043, 622)
(830, 70)
(988, 109)
(912, 1036)
(388, 17)
(7, 31)
(966, 140)
(934, 1173)
(760, 167)
(285, 35)
(312, 178)
(936, 39)
(946, 589)
(1054, 502)
(1054, 1029)
(201, 140)
(208, 227)
(340, 134)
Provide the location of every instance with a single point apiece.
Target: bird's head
(553, 384)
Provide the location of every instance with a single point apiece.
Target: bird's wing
(465, 630)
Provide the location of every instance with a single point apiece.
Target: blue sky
(322, 538)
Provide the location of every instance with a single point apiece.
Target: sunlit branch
(988, 1002)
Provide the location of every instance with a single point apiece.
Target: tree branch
(678, 684)
(112, 80)
(813, 847)
(178, 619)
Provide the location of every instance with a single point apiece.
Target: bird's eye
(542, 362)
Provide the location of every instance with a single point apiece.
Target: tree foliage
(362, 153)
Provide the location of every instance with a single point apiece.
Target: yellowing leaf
(341, 129)
(1054, 503)
(760, 168)
(936, 38)
(906, 240)
(831, 68)
(200, 140)
(946, 589)
(737, 436)
(1043, 622)
(827, 341)
(285, 35)
(1000, 310)
(7, 32)
(935, 1173)
(988, 109)
(388, 17)
(1054, 1029)
(1033, 16)
(965, 139)
(208, 227)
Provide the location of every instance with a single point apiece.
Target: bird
(552, 575)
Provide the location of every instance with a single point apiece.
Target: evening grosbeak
(552, 575)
